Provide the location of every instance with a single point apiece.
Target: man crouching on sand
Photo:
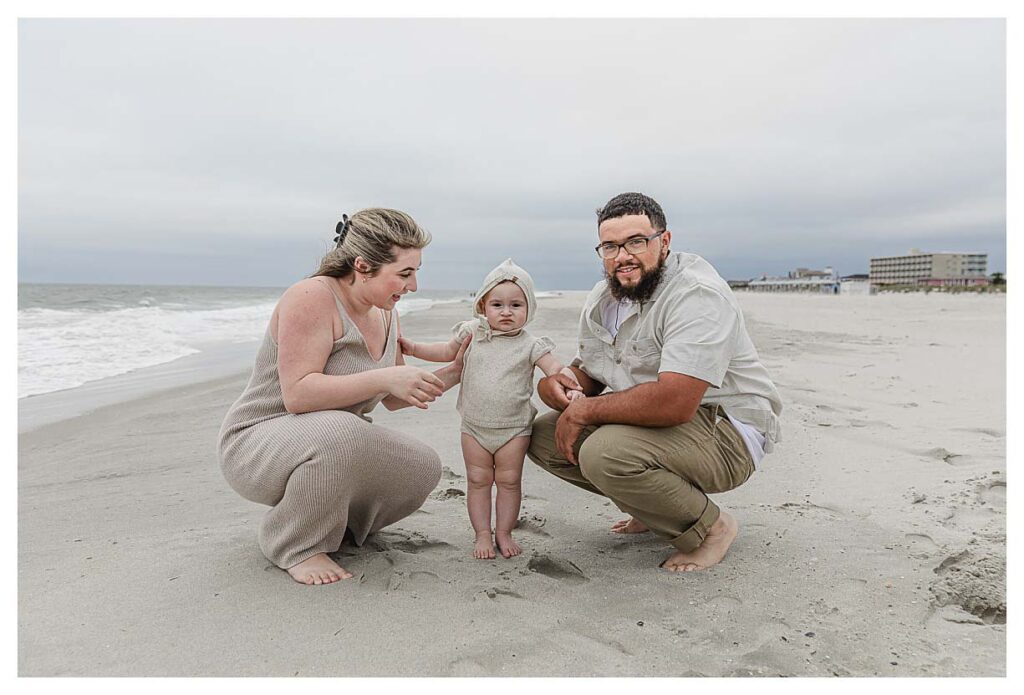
(658, 331)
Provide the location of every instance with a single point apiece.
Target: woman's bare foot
(318, 569)
(483, 549)
(720, 536)
(506, 545)
(629, 525)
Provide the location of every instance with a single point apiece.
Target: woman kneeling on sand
(298, 438)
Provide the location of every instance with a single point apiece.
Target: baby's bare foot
(483, 549)
(629, 525)
(318, 569)
(720, 536)
(506, 545)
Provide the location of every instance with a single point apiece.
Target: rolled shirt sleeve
(700, 332)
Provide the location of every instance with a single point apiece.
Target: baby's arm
(550, 365)
(431, 352)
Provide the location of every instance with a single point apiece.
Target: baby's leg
(480, 474)
(508, 474)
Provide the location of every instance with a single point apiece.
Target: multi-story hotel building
(936, 269)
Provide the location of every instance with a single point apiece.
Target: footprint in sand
(921, 539)
(921, 545)
(405, 541)
(533, 524)
(448, 474)
(994, 494)
(493, 592)
(411, 580)
(726, 604)
(982, 430)
(452, 493)
(803, 507)
(941, 454)
(871, 423)
(556, 568)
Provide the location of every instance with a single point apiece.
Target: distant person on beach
(690, 411)
(299, 439)
(494, 399)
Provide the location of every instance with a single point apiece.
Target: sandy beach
(872, 542)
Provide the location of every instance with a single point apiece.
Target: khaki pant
(659, 475)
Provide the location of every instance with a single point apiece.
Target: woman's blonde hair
(371, 234)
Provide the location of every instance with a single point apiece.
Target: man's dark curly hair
(633, 204)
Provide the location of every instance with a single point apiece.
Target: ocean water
(70, 335)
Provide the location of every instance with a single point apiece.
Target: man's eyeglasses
(632, 246)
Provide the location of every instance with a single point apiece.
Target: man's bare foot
(483, 549)
(629, 525)
(720, 536)
(506, 545)
(318, 569)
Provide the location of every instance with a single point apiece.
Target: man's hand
(574, 392)
(568, 428)
(553, 390)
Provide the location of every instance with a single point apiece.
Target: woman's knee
(431, 467)
(421, 471)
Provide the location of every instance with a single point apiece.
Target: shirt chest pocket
(593, 358)
(644, 357)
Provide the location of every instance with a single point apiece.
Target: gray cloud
(222, 152)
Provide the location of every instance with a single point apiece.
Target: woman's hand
(413, 385)
(459, 362)
(452, 372)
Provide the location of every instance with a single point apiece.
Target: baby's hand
(575, 391)
(407, 346)
(572, 375)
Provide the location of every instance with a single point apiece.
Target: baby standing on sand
(494, 399)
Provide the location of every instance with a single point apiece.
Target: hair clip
(341, 230)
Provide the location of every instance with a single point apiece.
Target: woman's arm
(304, 323)
(449, 375)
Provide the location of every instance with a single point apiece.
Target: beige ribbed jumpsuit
(325, 471)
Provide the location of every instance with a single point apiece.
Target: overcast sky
(224, 151)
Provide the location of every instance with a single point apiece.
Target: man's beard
(641, 291)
